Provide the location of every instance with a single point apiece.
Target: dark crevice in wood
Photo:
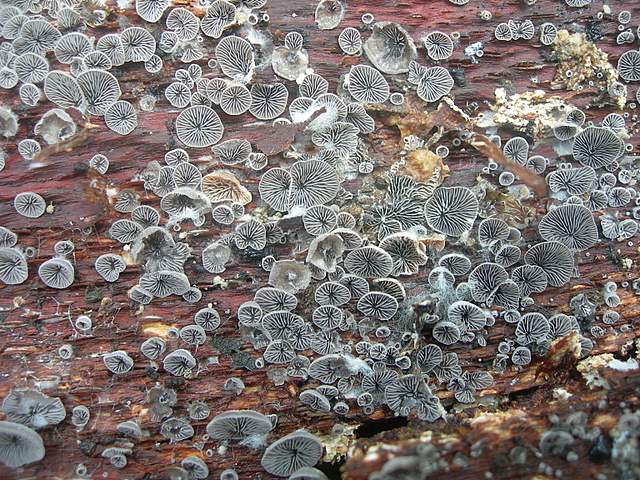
(332, 470)
(368, 429)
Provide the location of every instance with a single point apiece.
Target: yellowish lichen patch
(604, 421)
(156, 329)
(532, 112)
(138, 410)
(564, 347)
(126, 256)
(485, 419)
(589, 370)
(337, 446)
(262, 214)
(580, 62)
(434, 240)
(18, 301)
(496, 423)
(507, 207)
(220, 282)
(561, 394)
(425, 166)
(373, 451)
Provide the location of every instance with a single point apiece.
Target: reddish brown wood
(35, 320)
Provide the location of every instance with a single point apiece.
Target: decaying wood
(483, 441)
(453, 121)
(35, 320)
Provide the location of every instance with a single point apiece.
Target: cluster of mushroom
(338, 309)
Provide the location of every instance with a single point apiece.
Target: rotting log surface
(35, 320)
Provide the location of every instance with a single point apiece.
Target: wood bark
(35, 321)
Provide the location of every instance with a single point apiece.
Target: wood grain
(35, 320)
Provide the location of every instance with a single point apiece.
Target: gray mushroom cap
(238, 424)
(390, 48)
(196, 467)
(289, 64)
(325, 251)
(130, 428)
(290, 276)
(13, 266)
(8, 123)
(156, 248)
(329, 14)
(292, 452)
(19, 445)
(32, 408)
(186, 204)
(55, 126)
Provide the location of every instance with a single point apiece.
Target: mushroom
(390, 48)
(19, 445)
(55, 126)
(222, 186)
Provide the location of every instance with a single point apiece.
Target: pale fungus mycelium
(240, 237)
